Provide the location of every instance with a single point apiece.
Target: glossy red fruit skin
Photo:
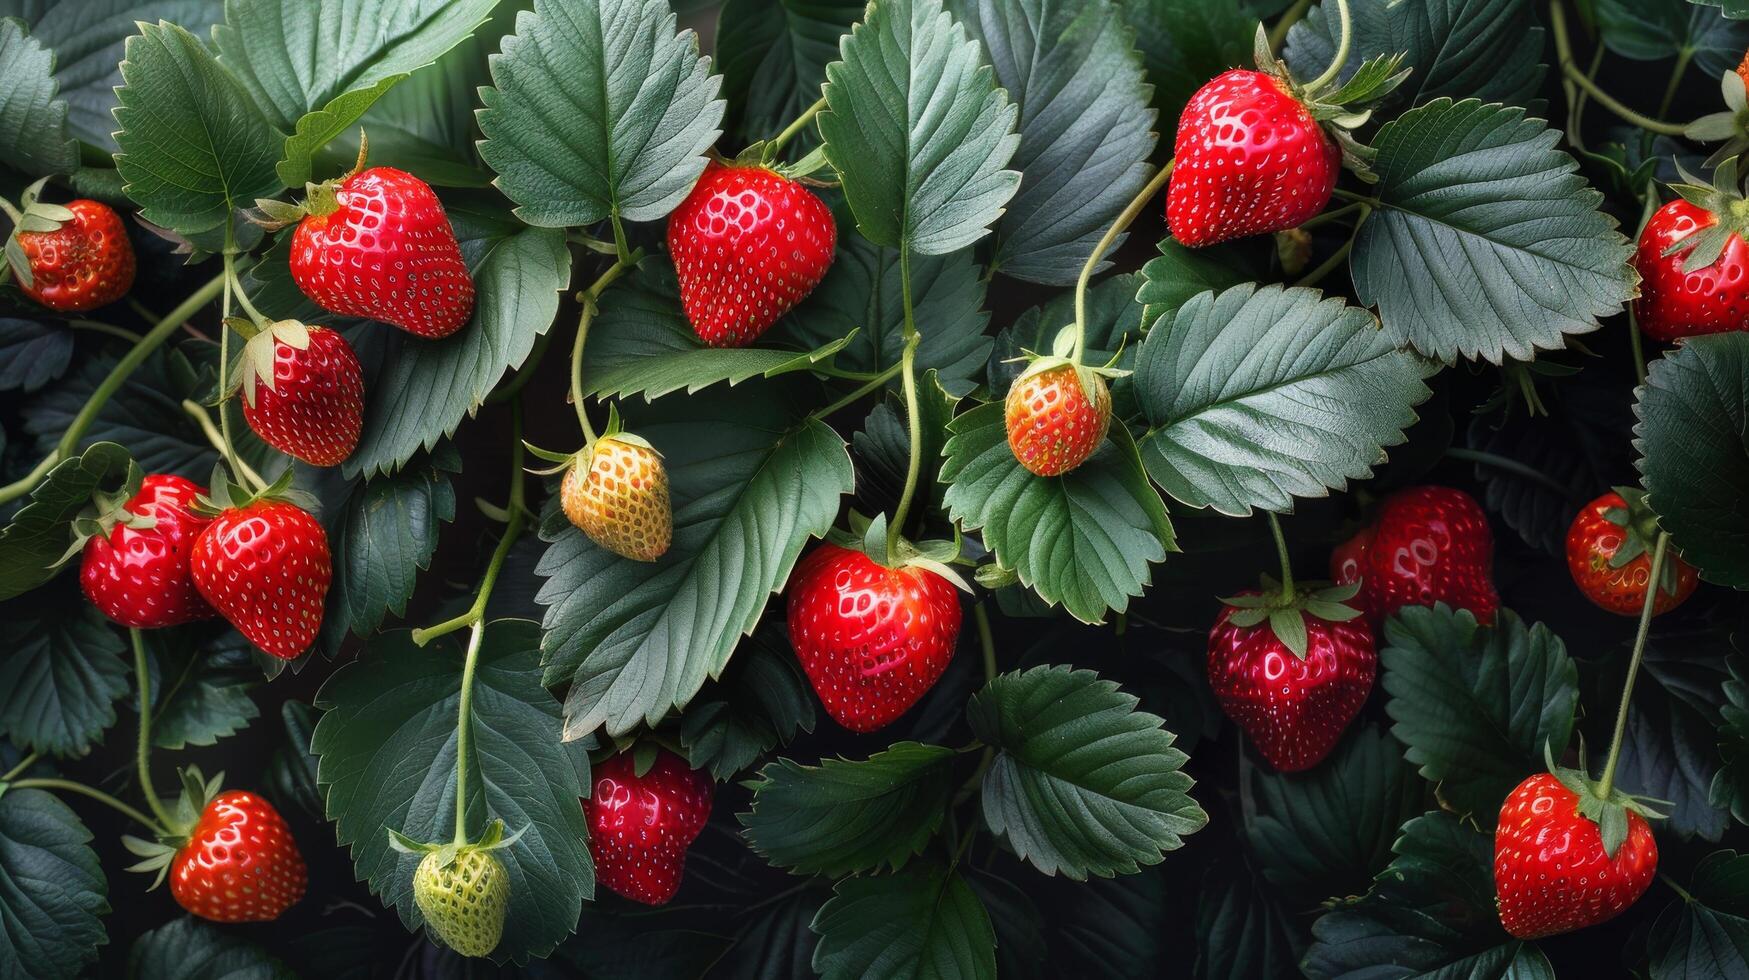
(1550, 870)
(1052, 427)
(871, 639)
(141, 579)
(748, 244)
(1293, 710)
(1674, 304)
(1592, 541)
(240, 863)
(641, 826)
(88, 262)
(266, 568)
(387, 253)
(1426, 545)
(1250, 160)
(315, 409)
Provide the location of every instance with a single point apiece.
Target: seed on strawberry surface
(641, 826)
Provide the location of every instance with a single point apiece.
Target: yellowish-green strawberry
(616, 492)
(463, 896)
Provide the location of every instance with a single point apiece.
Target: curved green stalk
(1627, 688)
(143, 751)
(67, 785)
(1105, 242)
(243, 470)
(908, 365)
(1294, 14)
(588, 299)
(801, 123)
(1342, 46)
(1287, 568)
(872, 385)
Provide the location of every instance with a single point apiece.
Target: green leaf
(189, 949)
(1708, 936)
(193, 145)
(314, 68)
(425, 124)
(883, 446)
(1734, 9)
(33, 118)
(643, 344)
(750, 483)
(843, 817)
(1693, 438)
(1486, 49)
(384, 537)
(761, 702)
(1086, 129)
(1177, 274)
(1241, 928)
(598, 108)
(1656, 32)
(1112, 927)
(429, 386)
(1670, 749)
(1325, 833)
(924, 923)
(918, 131)
(32, 354)
(387, 746)
(60, 678)
(51, 889)
(1731, 784)
(1430, 914)
(88, 38)
(145, 413)
(1476, 705)
(773, 58)
(1083, 783)
(774, 942)
(861, 293)
(1486, 242)
(40, 532)
(1083, 540)
(200, 685)
(1260, 395)
(1184, 43)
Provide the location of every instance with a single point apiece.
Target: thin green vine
(1605, 784)
(143, 750)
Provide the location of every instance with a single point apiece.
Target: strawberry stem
(217, 438)
(1342, 46)
(587, 298)
(143, 751)
(1607, 783)
(1105, 243)
(23, 764)
(872, 385)
(1637, 344)
(795, 127)
(1339, 256)
(1287, 568)
(1558, 23)
(68, 786)
(111, 384)
(913, 418)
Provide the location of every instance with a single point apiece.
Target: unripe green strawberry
(617, 494)
(464, 899)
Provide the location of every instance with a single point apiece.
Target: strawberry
(264, 566)
(309, 403)
(640, 825)
(1057, 415)
(1258, 152)
(872, 639)
(464, 896)
(616, 492)
(230, 856)
(377, 244)
(69, 257)
(748, 244)
(1681, 296)
(1292, 670)
(1609, 553)
(136, 571)
(1568, 855)
(1425, 545)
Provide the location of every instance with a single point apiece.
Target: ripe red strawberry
(748, 244)
(1677, 300)
(72, 257)
(617, 494)
(641, 826)
(1609, 552)
(871, 639)
(1294, 707)
(1251, 159)
(379, 245)
(1425, 545)
(1053, 424)
(139, 577)
(265, 567)
(240, 863)
(309, 403)
(1552, 870)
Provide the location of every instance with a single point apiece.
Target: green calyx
(492, 838)
(156, 855)
(1639, 535)
(1723, 199)
(321, 198)
(1286, 609)
(260, 349)
(1608, 810)
(224, 494)
(1731, 126)
(869, 536)
(106, 511)
(34, 216)
(562, 461)
(1063, 355)
(1342, 107)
